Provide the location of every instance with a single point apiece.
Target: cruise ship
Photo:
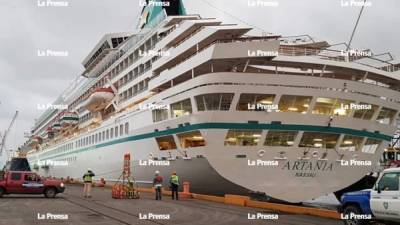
(229, 111)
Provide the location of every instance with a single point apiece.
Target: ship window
(280, 138)
(126, 128)
(243, 137)
(293, 103)
(96, 139)
(111, 132)
(333, 106)
(107, 134)
(191, 139)
(104, 135)
(166, 142)
(386, 115)
(365, 114)
(121, 130)
(90, 140)
(214, 101)
(181, 108)
(99, 134)
(93, 139)
(351, 143)
(159, 114)
(371, 145)
(318, 140)
(116, 131)
(254, 102)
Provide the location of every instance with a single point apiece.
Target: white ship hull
(217, 168)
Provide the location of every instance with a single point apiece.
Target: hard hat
(89, 169)
(157, 172)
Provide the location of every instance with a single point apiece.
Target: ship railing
(247, 39)
(334, 55)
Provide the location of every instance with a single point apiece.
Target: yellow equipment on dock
(125, 187)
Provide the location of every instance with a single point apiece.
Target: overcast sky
(27, 80)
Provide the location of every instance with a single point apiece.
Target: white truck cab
(381, 204)
(385, 196)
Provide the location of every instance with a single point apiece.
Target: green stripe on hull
(292, 127)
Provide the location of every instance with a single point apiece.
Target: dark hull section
(202, 177)
(18, 164)
(367, 182)
(198, 172)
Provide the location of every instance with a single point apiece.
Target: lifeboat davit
(99, 99)
(69, 118)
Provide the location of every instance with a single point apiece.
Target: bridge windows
(243, 137)
(280, 138)
(351, 143)
(254, 102)
(126, 128)
(293, 103)
(214, 101)
(159, 114)
(318, 140)
(191, 139)
(181, 108)
(166, 142)
(332, 106)
(365, 114)
(386, 116)
(371, 145)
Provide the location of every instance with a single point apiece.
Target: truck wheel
(353, 209)
(2, 192)
(50, 193)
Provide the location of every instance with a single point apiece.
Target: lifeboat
(69, 118)
(49, 132)
(35, 141)
(99, 99)
(56, 127)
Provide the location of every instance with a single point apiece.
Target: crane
(4, 138)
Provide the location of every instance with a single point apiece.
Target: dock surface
(102, 209)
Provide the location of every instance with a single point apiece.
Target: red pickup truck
(26, 182)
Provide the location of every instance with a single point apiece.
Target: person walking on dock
(157, 183)
(174, 182)
(87, 182)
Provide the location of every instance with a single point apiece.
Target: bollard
(186, 187)
(186, 190)
(102, 183)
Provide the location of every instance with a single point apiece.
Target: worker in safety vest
(157, 183)
(87, 181)
(174, 182)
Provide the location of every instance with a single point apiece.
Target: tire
(50, 192)
(2, 192)
(355, 210)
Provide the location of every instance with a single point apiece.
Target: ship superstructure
(231, 112)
